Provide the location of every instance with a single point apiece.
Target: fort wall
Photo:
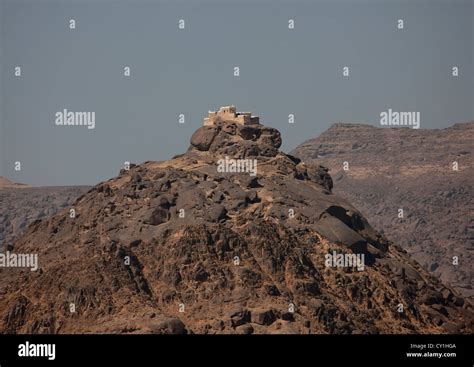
(229, 113)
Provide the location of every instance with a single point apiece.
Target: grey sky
(191, 71)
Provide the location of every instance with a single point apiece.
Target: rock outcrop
(237, 140)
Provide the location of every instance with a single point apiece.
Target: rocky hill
(392, 169)
(190, 245)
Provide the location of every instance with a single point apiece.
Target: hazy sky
(190, 71)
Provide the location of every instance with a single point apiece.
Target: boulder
(203, 137)
(170, 326)
(336, 231)
(263, 317)
(217, 213)
(159, 216)
(245, 329)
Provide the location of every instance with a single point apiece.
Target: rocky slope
(20, 205)
(392, 169)
(179, 247)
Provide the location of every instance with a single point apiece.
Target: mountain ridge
(413, 170)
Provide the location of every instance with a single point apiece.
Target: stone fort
(228, 113)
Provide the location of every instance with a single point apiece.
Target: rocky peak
(229, 137)
(232, 139)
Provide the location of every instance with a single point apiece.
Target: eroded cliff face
(182, 246)
(413, 170)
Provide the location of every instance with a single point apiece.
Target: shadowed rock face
(410, 169)
(178, 247)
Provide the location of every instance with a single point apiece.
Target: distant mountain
(20, 205)
(409, 169)
(5, 183)
(232, 236)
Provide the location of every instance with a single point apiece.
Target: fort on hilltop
(228, 113)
